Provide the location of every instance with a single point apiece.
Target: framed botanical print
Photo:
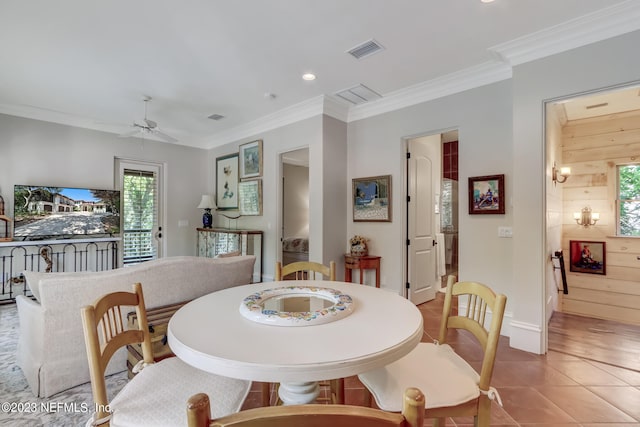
(486, 194)
(250, 197)
(372, 198)
(227, 182)
(251, 159)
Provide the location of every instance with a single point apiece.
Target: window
(629, 200)
(140, 184)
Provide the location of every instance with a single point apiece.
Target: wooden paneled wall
(593, 148)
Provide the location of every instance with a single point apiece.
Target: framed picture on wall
(372, 198)
(227, 182)
(251, 159)
(587, 257)
(486, 194)
(250, 197)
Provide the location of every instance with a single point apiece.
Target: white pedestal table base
(298, 393)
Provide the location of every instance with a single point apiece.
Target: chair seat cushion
(443, 376)
(157, 396)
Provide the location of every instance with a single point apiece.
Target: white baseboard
(526, 337)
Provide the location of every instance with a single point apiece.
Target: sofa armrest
(30, 349)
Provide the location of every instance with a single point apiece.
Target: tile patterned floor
(550, 390)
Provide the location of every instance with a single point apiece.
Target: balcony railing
(52, 256)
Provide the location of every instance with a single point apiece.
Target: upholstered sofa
(51, 350)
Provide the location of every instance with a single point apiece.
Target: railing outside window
(74, 255)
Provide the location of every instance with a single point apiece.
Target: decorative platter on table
(296, 306)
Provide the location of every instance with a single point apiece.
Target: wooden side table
(361, 263)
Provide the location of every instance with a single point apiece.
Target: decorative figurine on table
(359, 246)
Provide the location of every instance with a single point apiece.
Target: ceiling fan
(147, 127)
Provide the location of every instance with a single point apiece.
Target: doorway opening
(295, 206)
(141, 186)
(592, 135)
(431, 213)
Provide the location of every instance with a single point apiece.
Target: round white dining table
(211, 334)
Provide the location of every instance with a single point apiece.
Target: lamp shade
(206, 202)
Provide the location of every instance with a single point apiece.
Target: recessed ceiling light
(486, 1)
(308, 76)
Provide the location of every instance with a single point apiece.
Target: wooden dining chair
(155, 396)
(313, 415)
(309, 270)
(451, 386)
(306, 270)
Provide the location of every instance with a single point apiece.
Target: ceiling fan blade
(150, 123)
(163, 136)
(129, 134)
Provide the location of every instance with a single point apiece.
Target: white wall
(607, 63)
(335, 188)
(553, 277)
(483, 117)
(326, 139)
(42, 153)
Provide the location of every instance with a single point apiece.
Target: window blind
(140, 212)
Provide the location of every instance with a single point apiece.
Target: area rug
(20, 408)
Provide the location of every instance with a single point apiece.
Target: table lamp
(207, 204)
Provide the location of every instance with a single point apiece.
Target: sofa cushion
(33, 278)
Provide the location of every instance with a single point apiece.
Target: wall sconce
(207, 204)
(586, 218)
(560, 175)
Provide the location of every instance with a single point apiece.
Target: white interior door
(421, 238)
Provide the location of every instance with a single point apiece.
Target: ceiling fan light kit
(148, 127)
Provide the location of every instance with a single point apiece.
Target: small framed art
(251, 159)
(486, 194)
(250, 197)
(227, 182)
(587, 257)
(372, 198)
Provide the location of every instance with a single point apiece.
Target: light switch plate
(505, 232)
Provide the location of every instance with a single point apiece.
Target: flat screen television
(42, 213)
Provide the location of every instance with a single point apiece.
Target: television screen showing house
(58, 212)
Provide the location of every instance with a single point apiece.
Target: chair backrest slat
(105, 333)
(314, 415)
(303, 270)
(481, 301)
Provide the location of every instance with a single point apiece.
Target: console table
(216, 242)
(352, 262)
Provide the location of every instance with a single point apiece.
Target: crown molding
(295, 113)
(52, 116)
(336, 108)
(603, 24)
(60, 118)
(459, 81)
(313, 107)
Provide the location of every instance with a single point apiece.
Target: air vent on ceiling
(358, 94)
(216, 117)
(365, 49)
